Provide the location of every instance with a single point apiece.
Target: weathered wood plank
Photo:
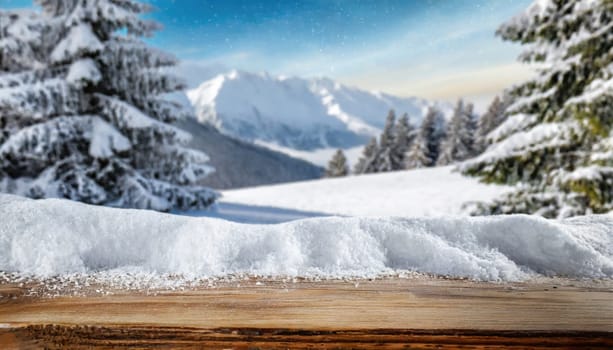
(387, 314)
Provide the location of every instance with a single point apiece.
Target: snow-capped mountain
(296, 113)
(258, 165)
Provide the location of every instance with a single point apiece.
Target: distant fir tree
(404, 134)
(557, 144)
(389, 153)
(387, 158)
(368, 161)
(458, 144)
(490, 120)
(87, 116)
(337, 166)
(418, 155)
(472, 124)
(424, 151)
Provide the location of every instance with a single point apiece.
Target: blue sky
(431, 48)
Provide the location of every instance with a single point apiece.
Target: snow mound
(53, 236)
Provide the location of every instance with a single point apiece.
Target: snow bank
(48, 237)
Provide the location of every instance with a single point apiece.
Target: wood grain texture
(383, 314)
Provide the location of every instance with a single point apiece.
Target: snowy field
(422, 192)
(53, 237)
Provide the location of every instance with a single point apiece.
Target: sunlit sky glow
(440, 49)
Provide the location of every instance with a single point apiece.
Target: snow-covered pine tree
(417, 155)
(91, 122)
(490, 120)
(424, 151)
(20, 36)
(404, 134)
(386, 155)
(368, 161)
(337, 166)
(458, 143)
(556, 143)
(472, 124)
(440, 131)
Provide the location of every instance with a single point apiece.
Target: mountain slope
(302, 114)
(241, 164)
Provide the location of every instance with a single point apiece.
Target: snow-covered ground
(398, 222)
(252, 214)
(54, 236)
(422, 192)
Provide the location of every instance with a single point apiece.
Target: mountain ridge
(298, 113)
